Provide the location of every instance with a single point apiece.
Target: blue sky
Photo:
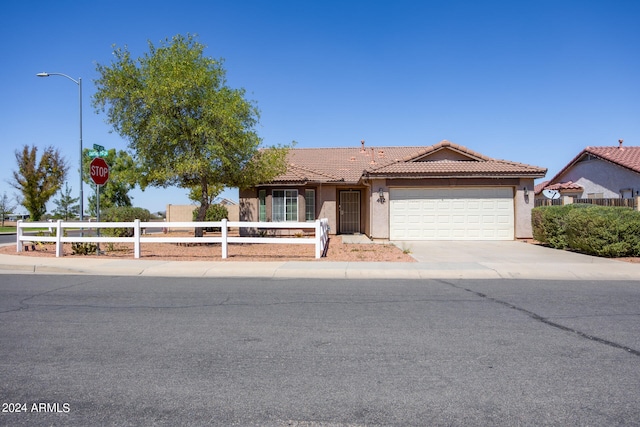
(529, 81)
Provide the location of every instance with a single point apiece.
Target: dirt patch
(337, 251)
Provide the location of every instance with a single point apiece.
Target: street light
(79, 83)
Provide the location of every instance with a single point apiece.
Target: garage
(485, 213)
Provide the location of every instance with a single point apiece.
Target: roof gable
(350, 165)
(626, 157)
(443, 151)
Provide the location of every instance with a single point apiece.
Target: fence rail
(320, 238)
(627, 203)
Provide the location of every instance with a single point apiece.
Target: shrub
(595, 230)
(214, 213)
(549, 224)
(84, 248)
(604, 231)
(123, 214)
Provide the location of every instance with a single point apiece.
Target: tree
(6, 207)
(66, 206)
(122, 179)
(184, 124)
(38, 181)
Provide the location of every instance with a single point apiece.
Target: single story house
(439, 192)
(598, 172)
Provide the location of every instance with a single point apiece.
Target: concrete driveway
(489, 251)
(516, 259)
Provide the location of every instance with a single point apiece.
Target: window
(309, 205)
(284, 205)
(262, 205)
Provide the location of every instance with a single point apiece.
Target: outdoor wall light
(526, 192)
(381, 198)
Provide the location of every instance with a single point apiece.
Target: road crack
(547, 321)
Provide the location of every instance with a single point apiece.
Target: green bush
(123, 214)
(604, 231)
(214, 213)
(550, 224)
(594, 230)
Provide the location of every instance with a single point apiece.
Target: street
(7, 238)
(88, 350)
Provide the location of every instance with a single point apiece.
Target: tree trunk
(202, 210)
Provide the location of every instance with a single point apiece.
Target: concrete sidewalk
(436, 259)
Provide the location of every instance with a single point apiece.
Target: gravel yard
(337, 251)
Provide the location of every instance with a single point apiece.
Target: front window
(284, 205)
(309, 205)
(262, 205)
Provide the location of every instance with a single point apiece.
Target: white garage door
(451, 214)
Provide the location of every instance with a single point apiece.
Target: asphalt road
(90, 350)
(7, 238)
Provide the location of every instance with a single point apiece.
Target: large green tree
(36, 180)
(185, 126)
(122, 179)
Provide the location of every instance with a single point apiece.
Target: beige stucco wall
(326, 198)
(184, 213)
(375, 213)
(179, 213)
(379, 211)
(380, 216)
(326, 206)
(602, 177)
(522, 209)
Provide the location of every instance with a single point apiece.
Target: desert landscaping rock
(337, 251)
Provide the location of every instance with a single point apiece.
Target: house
(598, 172)
(439, 192)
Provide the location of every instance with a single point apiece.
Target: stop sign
(99, 171)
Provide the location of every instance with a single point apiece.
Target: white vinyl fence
(320, 239)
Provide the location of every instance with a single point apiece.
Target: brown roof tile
(349, 164)
(626, 157)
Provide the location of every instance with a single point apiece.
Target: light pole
(79, 83)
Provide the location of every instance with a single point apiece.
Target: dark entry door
(349, 212)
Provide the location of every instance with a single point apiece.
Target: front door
(349, 212)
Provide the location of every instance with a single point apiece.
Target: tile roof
(350, 164)
(626, 157)
(462, 168)
(560, 186)
(537, 189)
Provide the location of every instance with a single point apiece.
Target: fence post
(318, 239)
(18, 236)
(225, 234)
(136, 238)
(638, 203)
(59, 238)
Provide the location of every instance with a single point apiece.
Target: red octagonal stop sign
(99, 171)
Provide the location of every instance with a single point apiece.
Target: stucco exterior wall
(598, 176)
(326, 200)
(524, 201)
(379, 210)
(380, 215)
(375, 215)
(184, 213)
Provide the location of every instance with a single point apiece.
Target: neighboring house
(598, 172)
(439, 192)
